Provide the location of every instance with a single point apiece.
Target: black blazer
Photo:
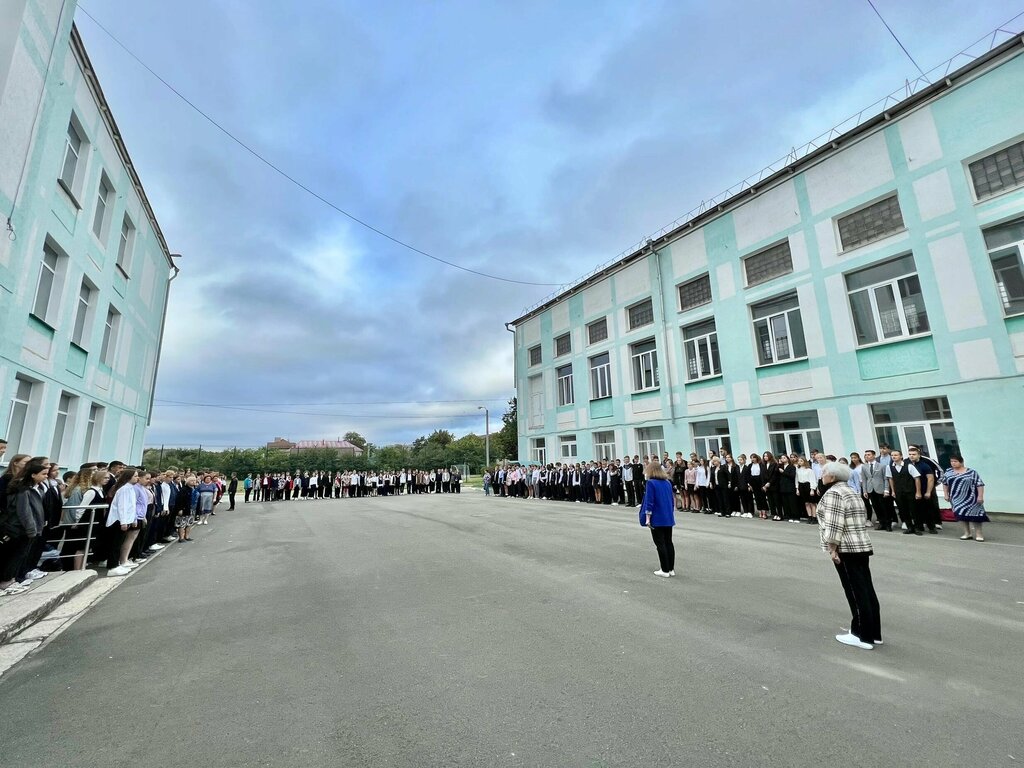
(787, 479)
(770, 476)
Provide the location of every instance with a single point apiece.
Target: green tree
(356, 439)
(505, 444)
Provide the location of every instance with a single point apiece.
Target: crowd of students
(125, 513)
(895, 489)
(351, 484)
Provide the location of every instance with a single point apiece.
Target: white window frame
(811, 436)
(705, 441)
(645, 366)
(83, 313)
(73, 185)
(604, 449)
(126, 246)
(566, 396)
(93, 427)
(111, 331)
(65, 413)
(18, 417)
(772, 322)
(601, 377)
(708, 366)
(538, 450)
(568, 448)
(900, 434)
(591, 326)
(1013, 249)
(105, 197)
(49, 282)
(894, 285)
(648, 443)
(637, 305)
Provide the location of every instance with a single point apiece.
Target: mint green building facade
(870, 292)
(84, 267)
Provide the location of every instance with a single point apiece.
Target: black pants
(12, 555)
(630, 493)
(908, 509)
(855, 574)
(662, 536)
(928, 512)
(231, 500)
(747, 502)
(774, 502)
(789, 506)
(882, 506)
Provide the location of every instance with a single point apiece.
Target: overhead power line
(894, 37)
(284, 174)
(170, 403)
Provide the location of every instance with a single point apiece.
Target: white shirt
(891, 468)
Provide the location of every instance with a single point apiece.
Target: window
(538, 451)
(886, 301)
(695, 293)
(768, 264)
(104, 202)
(926, 423)
(92, 432)
(779, 330)
(536, 390)
(45, 288)
(1005, 247)
(72, 155)
(18, 421)
(640, 314)
(711, 437)
(645, 365)
(700, 342)
(83, 314)
(563, 346)
(565, 394)
(998, 172)
(535, 355)
(600, 377)
(126, 245)
(650, 441)
(604, 445)
(109, 348)
(598, 330)
(64, 409)
(794, 433)
(567, 446)
(869, 224)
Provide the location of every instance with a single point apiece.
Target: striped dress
(963, 495)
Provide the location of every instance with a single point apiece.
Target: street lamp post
(487, 438)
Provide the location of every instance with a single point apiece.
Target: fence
(87, 512)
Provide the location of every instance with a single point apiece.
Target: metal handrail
(90, 509)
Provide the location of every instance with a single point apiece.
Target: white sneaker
(904, 526)
(938, 526)
(26, 583)
(35, 573)
(119, 571)
(156, 547)
(169, 539)
(130, 565)
(852, 640)
(671, 573)
(660, 572)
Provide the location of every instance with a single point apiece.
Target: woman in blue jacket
(657, 512)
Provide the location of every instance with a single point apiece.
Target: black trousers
(908, 509)
(662, 536)
(882, 506)
(855, 574)
(12, 555)
(231, 500)
(774, 502)
(747, 502)
(630, 493)
(789, 506)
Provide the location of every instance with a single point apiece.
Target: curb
(25, 610)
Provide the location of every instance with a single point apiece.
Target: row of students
(352, 484)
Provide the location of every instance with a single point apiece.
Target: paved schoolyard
(465, 631)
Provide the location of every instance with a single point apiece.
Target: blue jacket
(659, 501)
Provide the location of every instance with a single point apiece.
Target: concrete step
(20, 611)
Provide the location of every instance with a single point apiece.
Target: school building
(871, 291)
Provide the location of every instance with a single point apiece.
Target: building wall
(973, 354)
(47, 87)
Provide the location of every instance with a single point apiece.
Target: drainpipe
(515, 375)
(664, 326)
(160, 339)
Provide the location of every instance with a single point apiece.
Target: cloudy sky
(529, 140)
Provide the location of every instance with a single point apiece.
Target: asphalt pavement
(471, 631)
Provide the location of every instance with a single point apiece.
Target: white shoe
(130, 565)
(660, 572)
(169, 539)
(119, 571)
(671, 573)
(14, 589)
(903, 527)
(938, 526)
(876, 642)
(852, 640)
(35, 574)
(26, 583)
(156, 548)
